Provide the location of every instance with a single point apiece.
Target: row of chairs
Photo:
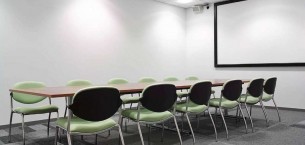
(149, 109)
(30, 99)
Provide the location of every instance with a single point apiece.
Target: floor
(277, 133)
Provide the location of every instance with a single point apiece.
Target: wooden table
(68, 91)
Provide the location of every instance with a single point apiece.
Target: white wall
(54, 41)
(290, 90)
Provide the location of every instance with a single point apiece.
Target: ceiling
(188, 5)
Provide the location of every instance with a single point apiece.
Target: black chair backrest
(255, 87)
(269, 86)
(159, 97)
(200, 93)
(232, 89)
(96, 103)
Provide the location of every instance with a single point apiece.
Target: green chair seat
(266, 97)
(36, 110)
(146, 115)
(250, 99)
(130, 99)
(78, 125)
(224, 103)
(192, 107)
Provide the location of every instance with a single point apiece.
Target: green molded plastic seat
(79, 125)
(36, 110)
(147, 80)
(117, 81)
(250, 99)
(171, 79)
(267, 97)
(130, 99)
(224, 103)
(192, 78)
(192, 107)
(146, 115)
(79, 83)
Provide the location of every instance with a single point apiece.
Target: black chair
(230, 94)
(196, 103)
(153, 107)
(252, 96)
(92, 109)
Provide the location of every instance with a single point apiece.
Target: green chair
(29, 99)
(197, 102)
(76, 83)
(252, 96)
(126, 99)
(153, 107)
(91, 116)
(230, 93)
(192, 78)
(269, 88)
(171, 79)
(147, 80)
(181, 93)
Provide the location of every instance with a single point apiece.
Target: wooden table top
(66, 91)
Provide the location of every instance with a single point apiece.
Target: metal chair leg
(66, 109)
(250, 117)
(56, 135)
(10, 129)
(162, 135)
(224, 122)
(23, 133)
(246, 126)
(213, 124)
(265, 113)
(251, 110)
(140, 132)
(121, 135)
(182, 121)
(278, 113)
(96, 139)
(69, 139)
(178, 131)
(188, 120)
(49, 124)
(215, 114)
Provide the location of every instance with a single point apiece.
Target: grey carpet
(300, 124)
(276, 134)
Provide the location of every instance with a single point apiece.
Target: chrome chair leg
(162, 135)
(249, 117)
(49, 124)
(178, 131)
(213, 124)
(278, 113)
(246, 126)
(215, 115)
(121, 135)
(56, 135)
(140, 132)
(191, 128)
(23, 133)
(10, 129)
(69, 139)
(224, 122)
(251, 110)
(265, 113)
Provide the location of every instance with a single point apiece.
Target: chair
(29, 99)
(269, 88)
(230, 93)
(171, 79)
(147, 80)
(192, 78)
(252, 96)
(91, 116)
(126, 99)
(153, 107)
(76, 83)
(197, 102)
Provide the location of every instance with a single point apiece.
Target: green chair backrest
(79, 83)
(117, 81)
(147, 80)
(171, 79)
(26, 98)
(192, 78)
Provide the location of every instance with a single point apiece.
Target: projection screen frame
(241, 65)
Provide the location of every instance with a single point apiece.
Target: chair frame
(69, 133)
(22, 119)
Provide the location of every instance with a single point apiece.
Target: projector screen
(259, 33)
